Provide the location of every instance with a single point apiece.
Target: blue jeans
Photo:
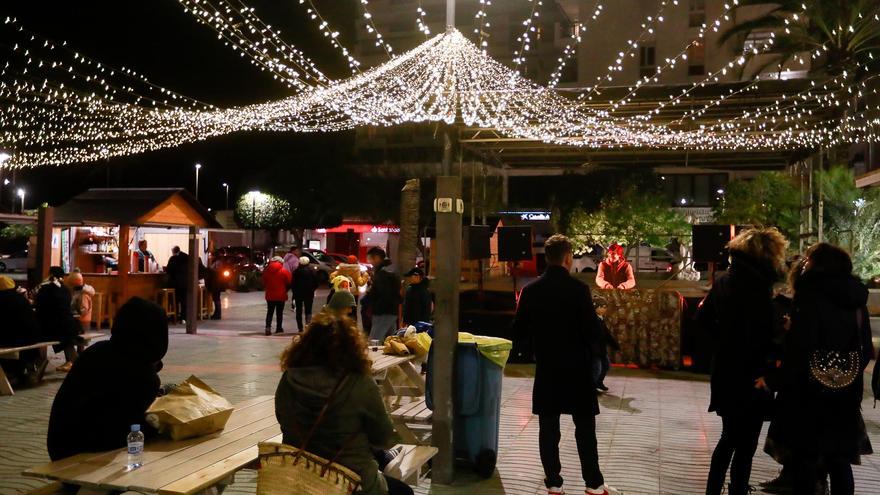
(600, 369)
(383, 326)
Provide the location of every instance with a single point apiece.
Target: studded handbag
(836, 370)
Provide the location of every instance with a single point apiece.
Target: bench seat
(412, 464)
(13, 353)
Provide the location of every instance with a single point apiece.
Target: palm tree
(844, 33)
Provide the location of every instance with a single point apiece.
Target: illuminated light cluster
(569, 50)
(371, 28)
(331, 35)
(240, 29)
(648, 27)
(483, 25)
(525, 39)
(420, 20)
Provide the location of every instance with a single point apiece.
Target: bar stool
(101, 310)
(168, 301)
(206, 304)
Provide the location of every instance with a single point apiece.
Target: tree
(631, 216)
(256, 210)
(844, 32)
(852, 219)
(771, 199)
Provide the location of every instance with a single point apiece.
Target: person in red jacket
(615, 272)
(276, 281)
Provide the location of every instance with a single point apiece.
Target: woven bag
(293, 470)
(289, 470)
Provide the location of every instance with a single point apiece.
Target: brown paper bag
(192, 409)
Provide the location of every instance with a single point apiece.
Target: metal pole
(253, 225)
(448, 259)
(450, 14)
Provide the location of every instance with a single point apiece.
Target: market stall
(121, 239)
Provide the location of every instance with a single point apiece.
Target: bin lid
(494, 349)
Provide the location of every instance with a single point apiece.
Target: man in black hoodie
(111, 385)
(383, 296)
(417, 300)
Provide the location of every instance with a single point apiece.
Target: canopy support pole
(193, 301)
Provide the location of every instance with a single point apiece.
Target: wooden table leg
(5, 386)
(415, 376)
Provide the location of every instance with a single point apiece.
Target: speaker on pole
(476, 242)
(514, 243)
(710, 242)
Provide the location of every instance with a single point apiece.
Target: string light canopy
(64, 108)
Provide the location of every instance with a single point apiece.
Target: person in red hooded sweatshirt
(615, 272)
(276, 281)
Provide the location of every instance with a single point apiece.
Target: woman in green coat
(332, 351)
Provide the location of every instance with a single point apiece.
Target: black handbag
(836, 370)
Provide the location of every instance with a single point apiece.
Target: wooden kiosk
(97, 232)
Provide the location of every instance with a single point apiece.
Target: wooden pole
(124, 264)
(45, 220)
(193, 309)
(448, 260)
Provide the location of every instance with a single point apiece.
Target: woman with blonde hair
(328, 366)
(738, 317)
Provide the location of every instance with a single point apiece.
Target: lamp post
(21, 193)
(226, 185)
(198, 167)
(254, 195)
(3, 157)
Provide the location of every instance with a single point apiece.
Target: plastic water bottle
(135, 448)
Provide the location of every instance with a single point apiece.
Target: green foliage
(772, 199)
(852, 219)
(844, 31)
(262, 211)
(627, 217)
(17, 231)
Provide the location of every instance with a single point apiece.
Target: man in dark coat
(55, 316)
(178, 266)
(383, 296)
(111, 385)
(556, 312)
(305, 283)
(417, 299)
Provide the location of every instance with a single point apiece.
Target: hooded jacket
(19, 323)
(276, 280)
(738, 318)
(384, 294)
(54, 315)
(81, 304)
(305, 282)
(111, 384)
(357, 415)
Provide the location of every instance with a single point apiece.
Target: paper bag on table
(191, 409)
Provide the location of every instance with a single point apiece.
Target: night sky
(158, 39)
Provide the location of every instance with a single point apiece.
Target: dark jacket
(357, 415)
(738, 317)
(829, 313)
(111, 384)
(384, 294)
(305, 282)
(417, 303)
(604, 341)
(177, 268)
(19, 322)
(52, 305)
(556, 313)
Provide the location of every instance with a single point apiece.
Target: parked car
(235, 268)
(652, 259)
(322, 262)
(587, 262)
(15, 262)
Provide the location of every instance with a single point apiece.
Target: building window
(647, 64)
(697, 13)
(694, 190)
(696, 59)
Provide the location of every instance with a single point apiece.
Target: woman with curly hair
(331, 354)
(738, 316)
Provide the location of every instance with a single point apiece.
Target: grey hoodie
(357, 410)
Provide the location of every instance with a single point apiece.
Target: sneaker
(602, 387)
(64, 368)
(268, 331)
(782, 484)
(554, 490)
(603, 490)
(280, 330)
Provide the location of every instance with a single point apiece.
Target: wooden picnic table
(413, 382)
(175, 467)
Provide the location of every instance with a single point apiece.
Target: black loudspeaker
(710, 242)
(514, 243)
(476, 242)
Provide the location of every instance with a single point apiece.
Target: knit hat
(6, 283)
(74, 279)
(304, 260)
(278, 259)
(342, 300)
(352, 259)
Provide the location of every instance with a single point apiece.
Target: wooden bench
(412, 464)
(13, 353)
(411, 417)
(90, 336)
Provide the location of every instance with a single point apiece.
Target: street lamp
(254, 195)
(21, 194)
(198, 167)
(226, 185)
